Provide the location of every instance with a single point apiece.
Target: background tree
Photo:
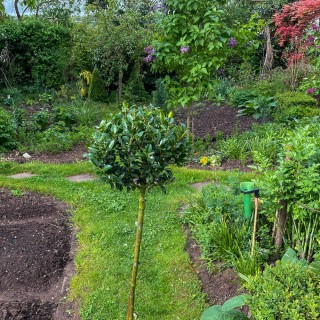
(194, 41)
(132, 150)
(127, 32)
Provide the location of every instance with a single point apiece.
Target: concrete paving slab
(81, 178)
(23, 175)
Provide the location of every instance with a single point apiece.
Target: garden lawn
(104, 219)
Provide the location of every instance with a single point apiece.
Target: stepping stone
(199, 185)
(81, 178)
(23, 175)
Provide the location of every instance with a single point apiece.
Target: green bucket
(245, 187)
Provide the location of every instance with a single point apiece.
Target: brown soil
(210, 119)
(219, 285)
(36, 256)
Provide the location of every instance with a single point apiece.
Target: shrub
(286, 291)
(239, 97)
(97, 91)
(295, 113)
(134, 91)
(7, 131)
(295, 99)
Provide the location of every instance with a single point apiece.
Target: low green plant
(294, 99)
(7, 131)
(41, 120)
(260, 107)
(217, 223)
(292, 114)
(227, 311)
(290, 290)
(240, 96)
(66, 115)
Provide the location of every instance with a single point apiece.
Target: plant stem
(139, 229)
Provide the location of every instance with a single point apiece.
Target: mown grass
(168, 287)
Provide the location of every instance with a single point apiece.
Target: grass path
(168, 288)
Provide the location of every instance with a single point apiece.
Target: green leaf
(212, 313)
(235, 302)
(315, 267)
(290, 257)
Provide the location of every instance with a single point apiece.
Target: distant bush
(295, 99)
(295, 113)
(40, 52)
(7, 131)
(97, 91)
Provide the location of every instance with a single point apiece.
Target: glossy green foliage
(97, 91)
(290, 290)
(133, 148)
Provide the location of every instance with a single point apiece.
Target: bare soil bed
(36, 257)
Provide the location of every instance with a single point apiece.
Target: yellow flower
(204, 161)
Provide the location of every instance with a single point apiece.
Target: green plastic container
(247, 186)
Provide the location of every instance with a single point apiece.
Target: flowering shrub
(292, 21)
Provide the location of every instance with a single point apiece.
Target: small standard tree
(132, 150)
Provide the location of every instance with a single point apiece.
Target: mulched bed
(210, 119)
(35, 241)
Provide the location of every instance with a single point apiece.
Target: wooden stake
(253, 242)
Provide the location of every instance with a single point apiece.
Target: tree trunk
(268, 60)
(120, 85)
(136, 253)
(16, 8)
(281, 224)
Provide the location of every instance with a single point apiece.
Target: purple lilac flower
(311, 90)
(160, 6)
(148, 58)
(232, 42)
(310, 39)
(184, 49)
(314, 27)
(150, 54)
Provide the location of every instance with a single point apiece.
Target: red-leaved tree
(292, 21)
